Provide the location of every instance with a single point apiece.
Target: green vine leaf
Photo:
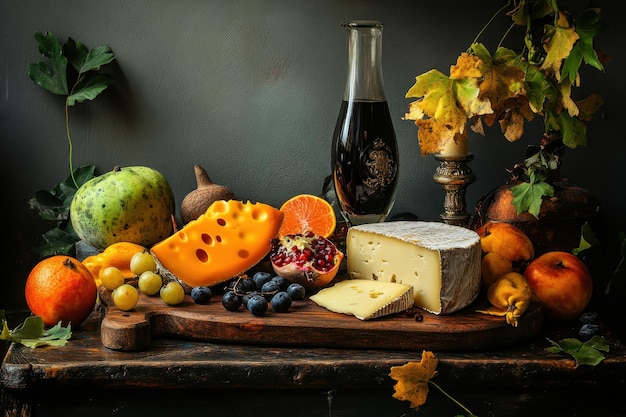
(56, 242)
(588, 239)
(53, 206)
(574, 131)
(84, 59)
(588, 25)
(587, 353)
(90, 89)
(54, 77)
(87, 63)
(31, 333)
(539, 89)
(528, 196)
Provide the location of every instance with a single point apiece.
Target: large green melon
(129, 204)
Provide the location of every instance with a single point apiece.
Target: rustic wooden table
(181, 376)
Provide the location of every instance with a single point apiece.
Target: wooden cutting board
(307, 324)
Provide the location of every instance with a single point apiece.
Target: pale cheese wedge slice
(440, 261)
(365, 299)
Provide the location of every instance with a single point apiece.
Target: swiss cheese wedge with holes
(228, 239)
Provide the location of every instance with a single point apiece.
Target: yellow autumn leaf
(412, 379)
(512, 126)
(422, 84)
(566, 99)
(503, 79)
(468, 96)
(476, 125)
(437, 114)
(437, 100)
(467, 66)
(444, 105)
(468, 78)
(503, 86)
(511, 115)
(415, 112)
(559, 41)
(589, 105)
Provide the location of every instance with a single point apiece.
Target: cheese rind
(228, 239)
(365, 299)
(440, 261)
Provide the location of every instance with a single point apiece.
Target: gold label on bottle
(378, 166)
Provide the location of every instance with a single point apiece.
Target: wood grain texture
(307, 324)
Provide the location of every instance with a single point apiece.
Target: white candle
(454, 148)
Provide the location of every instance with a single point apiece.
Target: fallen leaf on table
(412, 379)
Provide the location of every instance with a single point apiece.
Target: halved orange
(308, 213)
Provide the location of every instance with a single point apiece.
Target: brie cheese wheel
(365, 299)
(440, 261)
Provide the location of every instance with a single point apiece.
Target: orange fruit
(61, 289)
(307, 213)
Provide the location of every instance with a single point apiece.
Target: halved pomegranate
(308, 259)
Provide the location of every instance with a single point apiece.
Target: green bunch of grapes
(126, 296)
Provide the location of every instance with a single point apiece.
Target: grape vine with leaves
(72, 62)
(73, 71)
(511, 88)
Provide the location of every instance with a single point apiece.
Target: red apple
(562, 282)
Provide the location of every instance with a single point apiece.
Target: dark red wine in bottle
(364, 156)
(365, 161)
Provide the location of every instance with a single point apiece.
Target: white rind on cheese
(440, 261)
(365, 299)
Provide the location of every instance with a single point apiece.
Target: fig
(207, 192)
(305, 258)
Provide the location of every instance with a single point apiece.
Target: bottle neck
(365, 72)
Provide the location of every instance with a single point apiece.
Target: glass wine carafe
(364, 159)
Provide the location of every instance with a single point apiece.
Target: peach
(506, 240)
(493, 266)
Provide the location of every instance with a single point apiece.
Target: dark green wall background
(251, 90)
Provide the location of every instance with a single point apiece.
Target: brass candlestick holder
(454, 176)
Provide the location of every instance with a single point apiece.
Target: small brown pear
(207, 192)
